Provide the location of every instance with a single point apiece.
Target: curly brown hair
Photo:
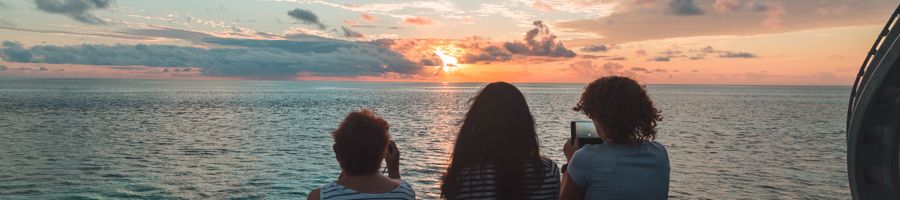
(623, 108)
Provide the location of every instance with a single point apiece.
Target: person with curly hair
(629, 164)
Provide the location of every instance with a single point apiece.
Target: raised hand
(392, 159)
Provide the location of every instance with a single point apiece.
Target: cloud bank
(655, 19)
(78, 10)
(249, 58)
(538, 42)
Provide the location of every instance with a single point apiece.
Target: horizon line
(429, 81)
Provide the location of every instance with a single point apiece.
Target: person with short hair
(360, 143)
(629, 164)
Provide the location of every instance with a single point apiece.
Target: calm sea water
(164, 139)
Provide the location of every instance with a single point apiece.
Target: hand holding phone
(584, 132)
(392, 160)
(569, 148)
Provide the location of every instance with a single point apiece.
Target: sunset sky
(756, 42)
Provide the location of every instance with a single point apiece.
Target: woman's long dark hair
(498, 130)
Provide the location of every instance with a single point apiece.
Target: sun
(448, 62)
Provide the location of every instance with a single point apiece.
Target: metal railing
(872, 57)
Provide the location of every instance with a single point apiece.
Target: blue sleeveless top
(335, 191)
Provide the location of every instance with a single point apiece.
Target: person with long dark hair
(496, 155)
(629, 164)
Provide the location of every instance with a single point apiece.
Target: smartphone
(585, 133)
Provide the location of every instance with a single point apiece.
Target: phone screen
(585, 133)
(585, 129)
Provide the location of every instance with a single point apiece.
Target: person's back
(629, 164)
(337, 191)
(481, 183)
(496, 154)
(611, 171)
(360, 144)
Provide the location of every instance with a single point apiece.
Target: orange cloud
(540, 5)
(367, 17)
(417, 20)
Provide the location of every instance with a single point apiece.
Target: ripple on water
(134, 139)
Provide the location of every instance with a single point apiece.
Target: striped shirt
(335, 191)
(480, 183)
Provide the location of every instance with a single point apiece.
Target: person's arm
(392, 159)
(569, 190)
(314, 194)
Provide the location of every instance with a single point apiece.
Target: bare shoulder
(314, 194)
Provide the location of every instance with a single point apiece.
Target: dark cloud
(737, 55)
(4, 68)
(78, 10)
(724, 6)
(684, 8)
(593, 56)
(660, 59)
(640, 69)
(487, 55)
(165, 32)
(322, 45)
(15, 52)
(428, 62)
(257, 58)
(616, 58)
(350, 33)
(539, 42)
(595, 48)
(537, 45)
(700, 54)
(306, 16)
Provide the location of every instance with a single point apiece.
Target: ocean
(191, 139)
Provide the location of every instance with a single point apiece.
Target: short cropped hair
(360, 142)
(623, 107)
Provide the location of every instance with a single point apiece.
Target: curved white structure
(873, 119)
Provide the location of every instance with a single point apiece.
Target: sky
(734, 42)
